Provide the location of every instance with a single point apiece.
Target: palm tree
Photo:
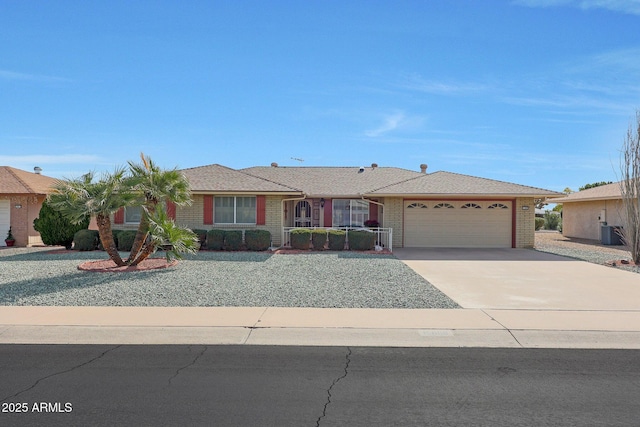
(81, 197)
(154, 186)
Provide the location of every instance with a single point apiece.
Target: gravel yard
(587, 250)
(37, 276)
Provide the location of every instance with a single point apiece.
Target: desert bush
(202, 237)
(318, 239)
(551, 221)
(257, 240)
(232, 240)
(300, 238)
(86, 240)
(337, 238)
(55, 228)
(539, 223)
(125, 240)
(215, 239)
(361, 240)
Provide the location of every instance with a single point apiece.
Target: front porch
(384, 236)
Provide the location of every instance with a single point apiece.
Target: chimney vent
(37, 170)
(274, 165)
(361, 169)
(374, 165)
(423, 168)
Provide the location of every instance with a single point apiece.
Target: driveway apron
(523, 279)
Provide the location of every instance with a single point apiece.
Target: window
(417, 205)
(235, 210)
(132, 214)
(350, 213)
(471, 206)
(498, 206)
(443, 206)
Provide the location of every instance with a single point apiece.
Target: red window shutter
(328, 214)
(261, 210)
(373, 212)
(171, 210)
(118, 217)
(208, 210)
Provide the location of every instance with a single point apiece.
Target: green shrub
(337, 238)
(115, 234)
(215, 239)
(86, 240)
(55, 228)
(318, 239)
(551, 220)
(232, 240)
(125, 240)
(202, 237)
(361, 240)
(539, 223)
(257, 240)
(300, 238)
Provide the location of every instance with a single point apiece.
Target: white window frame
(352, 202)
(126, 220)
(235, 210)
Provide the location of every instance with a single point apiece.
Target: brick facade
(525, 222)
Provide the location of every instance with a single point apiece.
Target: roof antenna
(297, 159)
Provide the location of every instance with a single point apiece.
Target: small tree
(630, 188)
(551, 220)
(55, 228)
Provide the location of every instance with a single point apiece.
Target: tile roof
(333, 181)
(603, 192)
(17, 181)
(218, 178)
(448, 183)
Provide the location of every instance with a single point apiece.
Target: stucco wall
(582, 219)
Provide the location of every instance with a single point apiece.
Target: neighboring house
(21, 197)
(440, 209)
(584, 212)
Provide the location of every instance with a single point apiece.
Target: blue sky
(537, 92)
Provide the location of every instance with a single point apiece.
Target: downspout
(282, 212)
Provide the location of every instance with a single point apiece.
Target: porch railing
(384, 236)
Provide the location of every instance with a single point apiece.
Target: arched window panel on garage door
(444, 206)
(417, 206)
(471, 206)
(498, 206)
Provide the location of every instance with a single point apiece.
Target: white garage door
(458, 224)
(5, 220)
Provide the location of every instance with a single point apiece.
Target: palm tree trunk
(146, 251)
(106, 237)
(141, 236)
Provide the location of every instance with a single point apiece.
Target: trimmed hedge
(361, 240)
(202, 236)
(318, 239)
(215, 239)
(232, 240)
(300, 238)
(125, 240)
(55, 228)
(337, 238)
(86, 240)
(257, 240)
(539, 223)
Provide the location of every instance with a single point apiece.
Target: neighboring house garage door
(5, 219)
(458, 224)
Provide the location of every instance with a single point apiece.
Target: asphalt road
(309, 386)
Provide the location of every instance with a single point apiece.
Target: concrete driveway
(523, 279)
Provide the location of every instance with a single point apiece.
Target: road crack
(333, 384)
(193, 362)
(35, 384)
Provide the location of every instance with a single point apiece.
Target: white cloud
(389, 124)
(631, 7)
(418, 83)
(13, 75)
